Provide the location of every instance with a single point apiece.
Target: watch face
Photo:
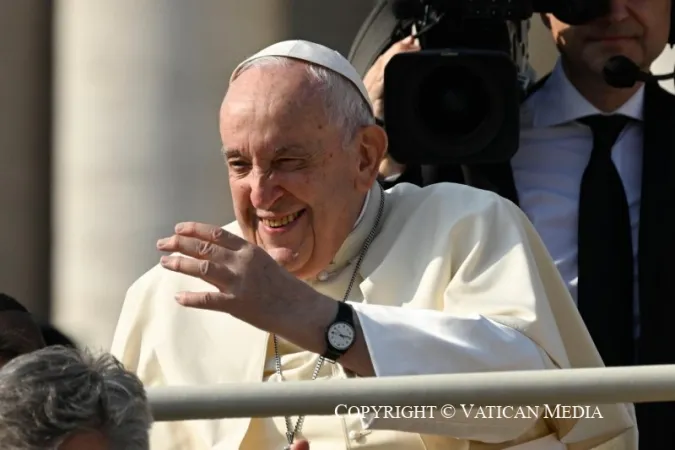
(341, 335)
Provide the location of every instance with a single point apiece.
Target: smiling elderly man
(321, 264)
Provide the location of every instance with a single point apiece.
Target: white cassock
(456, 281)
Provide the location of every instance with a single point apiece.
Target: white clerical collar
(559, 102)
(363, 211)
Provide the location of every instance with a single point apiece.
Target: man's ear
(372, 144)
(545, 20)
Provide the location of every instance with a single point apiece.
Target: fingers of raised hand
(210, 233)
(203, 300)
(209, 271)
(195, 247)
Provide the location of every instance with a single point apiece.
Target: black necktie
(605, 291)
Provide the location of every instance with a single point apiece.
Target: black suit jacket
(656, 421)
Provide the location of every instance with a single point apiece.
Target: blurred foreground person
(322, 264)
(60, 398)
(19, 333)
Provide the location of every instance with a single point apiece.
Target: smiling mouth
(282, 221)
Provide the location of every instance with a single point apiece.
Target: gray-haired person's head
(345, 107)
(63, 398)
(302, 151)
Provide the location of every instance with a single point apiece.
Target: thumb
(300, 445)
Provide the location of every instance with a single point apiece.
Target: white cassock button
(322, 276)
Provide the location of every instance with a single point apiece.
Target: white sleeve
(403, 341)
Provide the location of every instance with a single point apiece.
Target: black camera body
(457, 101)
(452, 106)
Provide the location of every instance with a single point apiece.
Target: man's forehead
(263, 81)
(275, 108)
(287, 98)
(273, 133)
(271, 115)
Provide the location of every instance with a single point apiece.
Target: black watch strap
(345, 314)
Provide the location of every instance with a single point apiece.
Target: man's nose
(618, 10)
(265, 191)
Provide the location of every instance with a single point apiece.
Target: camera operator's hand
(374, 81)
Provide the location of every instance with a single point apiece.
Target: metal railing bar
(595, 386)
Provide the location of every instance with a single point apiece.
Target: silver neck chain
(292, 432)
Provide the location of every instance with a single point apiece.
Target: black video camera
(457, 101)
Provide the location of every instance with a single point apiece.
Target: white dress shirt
(553, 154)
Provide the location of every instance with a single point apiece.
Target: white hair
(345, 108)
(54, 393)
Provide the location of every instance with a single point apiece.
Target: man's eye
(287, 163)
(238, 164)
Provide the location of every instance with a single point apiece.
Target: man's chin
(607, 51)
(285, 257)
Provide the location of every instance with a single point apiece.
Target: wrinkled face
(637, 29)
(296, 190)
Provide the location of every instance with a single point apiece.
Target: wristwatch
(341, 333)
